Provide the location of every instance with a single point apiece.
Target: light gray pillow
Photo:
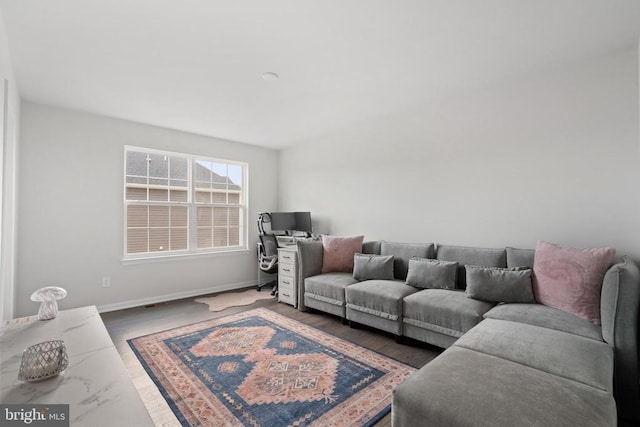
(432, 273)
(494, 284)
(372, 267)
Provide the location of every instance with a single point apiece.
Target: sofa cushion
(448, 312)
(496, 284)
(402, 252)
(520, 257)
(431, 273)
(382, 298)
(371, 247)
(369, 266)
(559, 353)
(463, 387)
(546, 317)
(338, 253)
(328, 287)
(463, 255)
(570, 279)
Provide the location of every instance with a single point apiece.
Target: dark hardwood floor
(134, 322)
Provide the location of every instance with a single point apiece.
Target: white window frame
(191, 205)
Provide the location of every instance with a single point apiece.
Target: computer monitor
(290, 222)
(283, 221)
(303, 222)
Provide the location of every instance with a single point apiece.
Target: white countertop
(96, 384)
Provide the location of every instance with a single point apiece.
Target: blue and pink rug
(259, 368)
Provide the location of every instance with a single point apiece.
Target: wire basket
(43, 360)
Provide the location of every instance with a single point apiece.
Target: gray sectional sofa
(505, 364)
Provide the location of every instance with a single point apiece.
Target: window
(181, 204)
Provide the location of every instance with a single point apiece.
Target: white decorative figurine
(48, 297)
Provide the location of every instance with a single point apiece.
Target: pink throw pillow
(339, 252)
(570, 279)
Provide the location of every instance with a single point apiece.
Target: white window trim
(192, 251)
(165, 257)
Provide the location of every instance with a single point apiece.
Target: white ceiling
(196, 65)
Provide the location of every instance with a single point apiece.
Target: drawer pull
(286, 295)
(286, 269)
(284, 282)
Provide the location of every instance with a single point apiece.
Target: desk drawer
(286, 282)
(287, 276)
(286, 296)
(287, 290)
(286, 270)
(287, 257)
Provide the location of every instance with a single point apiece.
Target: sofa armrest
(310, 254)
(619, 309)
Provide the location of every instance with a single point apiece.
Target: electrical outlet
(106, 281)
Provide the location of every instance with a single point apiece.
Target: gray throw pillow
(372, 267)
(494, 284)
(432, 273)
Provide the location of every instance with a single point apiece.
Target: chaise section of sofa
(528, 364)
(465, 387)
(504, 373)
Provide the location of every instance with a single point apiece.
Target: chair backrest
(269, 244)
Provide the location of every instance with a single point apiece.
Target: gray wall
(9, 122)
(71, 212)
(554, 155)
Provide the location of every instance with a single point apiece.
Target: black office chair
(268, 260)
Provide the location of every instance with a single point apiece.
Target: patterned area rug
(234, 299)
(259, 368)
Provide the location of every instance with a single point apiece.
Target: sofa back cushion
(402, 253)
(371, 247)
(486, 257)
(520, 257)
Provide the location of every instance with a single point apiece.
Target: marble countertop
(96, 384)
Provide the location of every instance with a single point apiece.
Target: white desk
(96, 384)
(288, 275)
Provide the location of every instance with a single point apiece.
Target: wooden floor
(135, 322)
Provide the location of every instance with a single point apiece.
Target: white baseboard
(170, 297)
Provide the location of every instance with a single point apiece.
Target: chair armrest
(267, 262)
